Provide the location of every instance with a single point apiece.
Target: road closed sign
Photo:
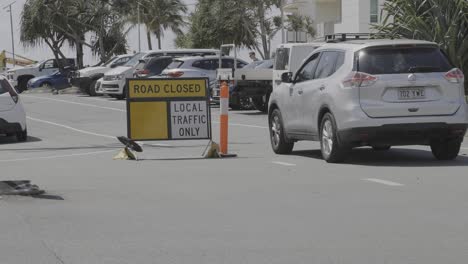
(168, 109)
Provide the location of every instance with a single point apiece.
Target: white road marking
(124, 111)
(389, 183)
(61, 156)
(283, 163)
(71, 128)
(76, 103)
(88, 132)
(104, 99)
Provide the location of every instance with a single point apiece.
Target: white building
(337, 16)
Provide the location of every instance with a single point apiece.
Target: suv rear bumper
(6, 127)
(401, 134)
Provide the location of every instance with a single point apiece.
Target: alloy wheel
(327, 137)
(275, 130)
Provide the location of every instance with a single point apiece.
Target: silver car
(377, 93)
(199, 66)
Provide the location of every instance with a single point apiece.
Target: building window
(374, 11)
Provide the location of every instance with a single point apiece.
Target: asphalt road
(400, 206)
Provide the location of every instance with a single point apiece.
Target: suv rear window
(391, 60)
(175, 64)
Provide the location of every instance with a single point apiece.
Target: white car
(114, 83)
(377, 93)
(86, 78)
(12, 115)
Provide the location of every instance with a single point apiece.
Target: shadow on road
(99, 147)
(256, 113)
(393, 158)
(48, 197)
(12, 140)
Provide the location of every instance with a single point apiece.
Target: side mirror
(113, 65)
(286, 77)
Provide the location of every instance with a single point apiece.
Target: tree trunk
(55, 52)
(55, 47)
(79, 55)
(148, 37)
(158, 36)
(101, 35)
(261, 14)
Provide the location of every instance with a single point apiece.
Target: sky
(43, 52)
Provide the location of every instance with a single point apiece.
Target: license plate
(411, 93)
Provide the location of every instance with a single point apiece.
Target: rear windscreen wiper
(415, 69)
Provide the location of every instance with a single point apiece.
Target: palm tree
(441, 21)
(159, 16)
(35, 30)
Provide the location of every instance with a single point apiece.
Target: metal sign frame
(168, 100)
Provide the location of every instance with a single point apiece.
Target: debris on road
(19, 188)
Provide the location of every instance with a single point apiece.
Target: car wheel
(278, 139)
(123, 95)
(332, 151)
(260, 104)
(92, 88)
(381, 147)
(22, 136)
(446, 149)
(235, 106)
(22, 85)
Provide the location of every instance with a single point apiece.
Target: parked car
(86, 78)
(20, 76)
(377, 93)
(114, 83)
(201, 66)
(56, 81)
(12, 115)
(152, 66)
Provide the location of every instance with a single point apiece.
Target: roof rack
(340, 37)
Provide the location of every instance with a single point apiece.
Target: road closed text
(167, 88)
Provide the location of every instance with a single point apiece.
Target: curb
(71, 90)
(38, 91)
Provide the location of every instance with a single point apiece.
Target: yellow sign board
(148, 120)
(168, 109)
(166, 88)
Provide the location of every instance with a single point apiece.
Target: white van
(289, 57)
(114, 81)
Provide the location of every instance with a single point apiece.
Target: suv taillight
(175, 74)
(142, 73)
(359, 79)
(15, 97)
(13, 94)
(11, 91)
(454, 76)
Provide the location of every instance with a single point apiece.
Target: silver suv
(377, 93)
